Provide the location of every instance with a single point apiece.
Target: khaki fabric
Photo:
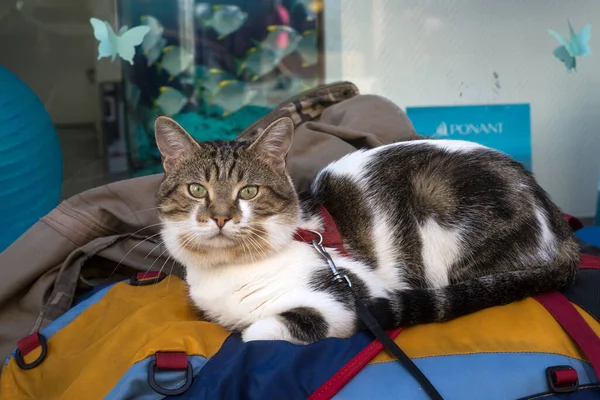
(110, 232)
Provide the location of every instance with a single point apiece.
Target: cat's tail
(418, 306)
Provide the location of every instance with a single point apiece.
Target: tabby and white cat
(435, 229)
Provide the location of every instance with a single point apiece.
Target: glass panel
(215, 68)
(430, 53)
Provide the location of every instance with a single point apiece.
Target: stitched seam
(86, 221)
(66, 229)
(342, 373)
(367, 353)
(44, 221)
(88, 218)
(484, 352)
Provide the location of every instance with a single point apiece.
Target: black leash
(371, 323)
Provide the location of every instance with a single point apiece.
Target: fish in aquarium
(154, 35)
(155, 53)
(307, 48)
(224, 19)
(281, 39)
(259, 62)
(311, 8)
(202, 12)
(171, 100)
(176, 60)
(153, 43)
(231, 96)
(210, 78)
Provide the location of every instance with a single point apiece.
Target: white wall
(428, 52)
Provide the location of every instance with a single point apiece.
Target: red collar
(332, 237)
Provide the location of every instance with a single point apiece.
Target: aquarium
(214, 67)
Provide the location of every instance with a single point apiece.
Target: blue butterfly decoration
(576, 46)
(122, 44)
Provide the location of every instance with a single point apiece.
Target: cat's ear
(172, 141)
(274, 142)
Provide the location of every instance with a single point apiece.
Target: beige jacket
(110, 232)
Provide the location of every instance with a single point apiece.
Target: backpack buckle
(147, 278)
(562, 379)
(170, 361)
(26, 346)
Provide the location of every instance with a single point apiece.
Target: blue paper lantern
(30, 159)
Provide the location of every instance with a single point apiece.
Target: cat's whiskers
(129, 252)
(257, 234)
(254, 247)
(266, 241)
(272, 239)
(257, 247)
(141, 229)
(161, 254)
(246, 250)
(174, 257)
(170, 273)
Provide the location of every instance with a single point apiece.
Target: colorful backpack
(139, 339)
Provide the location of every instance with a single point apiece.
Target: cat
(435, 229)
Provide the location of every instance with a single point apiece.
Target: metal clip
(318, 245)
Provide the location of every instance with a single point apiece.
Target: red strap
(567, 316)
(147, 275)
(589, 262)
(331, 235)
(29, 343)
(574, 223)
(335, 383)
(171, 360)
(564, 377)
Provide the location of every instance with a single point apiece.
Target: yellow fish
(307, 48)
(226, 19)
(176, 60)
(260, 62)
(232, 95)
(171, 100)
(281, 39)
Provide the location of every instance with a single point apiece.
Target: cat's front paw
(267, 329)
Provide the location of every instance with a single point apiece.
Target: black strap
(371, 323)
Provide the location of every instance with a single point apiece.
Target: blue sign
(502, 127)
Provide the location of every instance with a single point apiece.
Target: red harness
(331, 235)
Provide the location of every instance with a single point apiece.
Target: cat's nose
(221, 220)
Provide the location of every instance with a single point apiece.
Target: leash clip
(318, 245)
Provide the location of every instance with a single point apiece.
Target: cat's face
(227, 201)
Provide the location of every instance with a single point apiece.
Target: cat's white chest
(237, 295)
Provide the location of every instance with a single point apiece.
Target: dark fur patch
(485, 195)
(305, 324)
(353, 216)
(384, 313)
(323, 281)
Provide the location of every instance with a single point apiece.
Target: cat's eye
(198, 191)
(248, 192)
